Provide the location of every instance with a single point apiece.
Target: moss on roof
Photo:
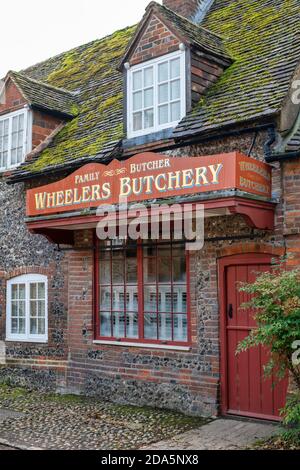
(45, 96)
(263, 38)
(90, 72)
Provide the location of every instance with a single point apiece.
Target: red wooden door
(245, 389)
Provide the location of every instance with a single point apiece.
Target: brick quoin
(186, 8)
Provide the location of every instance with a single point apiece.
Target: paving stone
(222, 434)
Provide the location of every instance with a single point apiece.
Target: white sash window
(156, 94)
(15, 141)
(27, 309)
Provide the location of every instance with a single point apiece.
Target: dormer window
(13, 139)
(156, 94)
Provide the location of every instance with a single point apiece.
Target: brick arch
(251, 247)
(27, 270)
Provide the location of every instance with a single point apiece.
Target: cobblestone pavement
(222, 434)
(36, 421)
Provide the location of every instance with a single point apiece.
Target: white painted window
(156, 94)
(27, 307)
(15, 141)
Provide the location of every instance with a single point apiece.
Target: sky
(34, 30)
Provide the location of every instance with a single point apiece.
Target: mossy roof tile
(262, 37)
(44, 96)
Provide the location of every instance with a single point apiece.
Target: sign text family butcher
(150, 176)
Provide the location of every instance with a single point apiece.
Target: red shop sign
(150, 176)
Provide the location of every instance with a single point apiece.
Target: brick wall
(157, 40)
(204, 74)
(34, 365)
(13, 99)
(43, 125)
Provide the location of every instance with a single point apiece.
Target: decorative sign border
(149, 176)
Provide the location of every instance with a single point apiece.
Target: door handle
(230, 311)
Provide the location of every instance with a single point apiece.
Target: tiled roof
(195, 35)
(45, 97)
(262, 37)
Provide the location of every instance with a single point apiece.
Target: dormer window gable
(30, 112)
(169, 65)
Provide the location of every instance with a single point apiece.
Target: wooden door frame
(223, 263)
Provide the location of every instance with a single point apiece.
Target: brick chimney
(187, 8)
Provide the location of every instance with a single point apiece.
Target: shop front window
(142, 292)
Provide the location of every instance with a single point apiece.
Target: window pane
(14, 309)
(163, 114)
(33, 291)
(22, 291)
(175, 111)
(13, 157)
(137, 80)
(137, 121)
(14, 291)
(180, 328)
(137, 101)
(150, 299)
(131, 266)
(148, 77)
(118, 271)
(21, 122)
(33, 326)
(41, 326)
(118, 298)
(132, 325)
(41, 308)
(163, 93)
(179, 299)
(21, 311)
(105, 272)
(163, 72)
(165, 327)
(21, 326)
(15, 122)
(149, 270)
(165, 299)
(105, 324)
(148, 98)
(150, 326)
(119, 325)
(175, 68)
(132, 298)
(41, 290)
(175, 90)
(20, 139)
(105, 298)
(33, 308)
(148, 119)
(179, 269)
(164, 269)
(14, 326)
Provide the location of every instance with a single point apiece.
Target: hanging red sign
(150, 176)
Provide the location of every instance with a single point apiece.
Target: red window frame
(141, 339)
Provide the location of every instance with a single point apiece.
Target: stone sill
(143, 345)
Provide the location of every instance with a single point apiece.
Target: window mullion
(27, 309)
(10, 120)
(140, 290)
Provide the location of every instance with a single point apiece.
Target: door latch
(230, 311)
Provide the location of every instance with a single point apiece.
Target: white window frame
(27, 138)
(156, 128)
(26, 279)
